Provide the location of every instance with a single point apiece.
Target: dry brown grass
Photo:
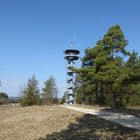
(31, 123)
(57, 123)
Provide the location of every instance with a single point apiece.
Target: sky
(34, 34)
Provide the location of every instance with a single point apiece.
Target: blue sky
(34, 33)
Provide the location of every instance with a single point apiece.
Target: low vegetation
(57, 123)
(31, 123)
(4, 99)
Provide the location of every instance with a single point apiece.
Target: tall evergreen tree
(133, 82)
(31, 94)
(103, 67)
(114, 43)
(50, 91)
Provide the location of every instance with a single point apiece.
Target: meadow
(57, 123)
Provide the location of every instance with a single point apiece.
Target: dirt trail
(119, 118)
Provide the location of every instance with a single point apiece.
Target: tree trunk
(113, 97)
(96, 93)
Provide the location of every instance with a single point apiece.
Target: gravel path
(119, 118)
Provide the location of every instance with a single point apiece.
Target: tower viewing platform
(71, 55)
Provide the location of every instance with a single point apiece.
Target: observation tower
(71, 55)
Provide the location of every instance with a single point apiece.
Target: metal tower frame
(71, 55)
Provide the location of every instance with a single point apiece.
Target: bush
(3, 98)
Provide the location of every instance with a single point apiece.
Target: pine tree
(105, 77)
(133, 82)
(114, 43)
(103, 70)
(31, 94)
(50, 91)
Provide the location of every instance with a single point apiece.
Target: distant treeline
(109, 75)
(30, 94)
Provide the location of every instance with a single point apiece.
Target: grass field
(56, 123)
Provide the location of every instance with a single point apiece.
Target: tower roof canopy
(71, 51)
